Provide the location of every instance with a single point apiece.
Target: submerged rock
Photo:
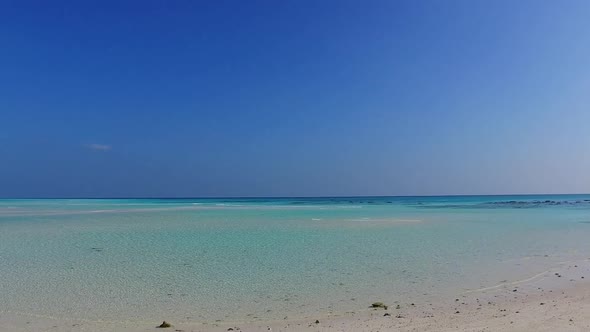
(379, 305)
(164, 325)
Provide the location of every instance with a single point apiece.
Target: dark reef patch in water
(525, 204)
(507, 204)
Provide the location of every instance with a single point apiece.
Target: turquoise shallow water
(258, 259)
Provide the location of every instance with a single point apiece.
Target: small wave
(503, 284)
(385, 221)
(521, 281)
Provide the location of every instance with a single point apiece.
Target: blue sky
(294, 98)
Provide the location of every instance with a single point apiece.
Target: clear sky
(294, 98)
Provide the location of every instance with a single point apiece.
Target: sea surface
(239, 260)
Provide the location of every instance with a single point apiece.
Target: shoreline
(557, 299)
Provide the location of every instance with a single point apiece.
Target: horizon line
(295, 197)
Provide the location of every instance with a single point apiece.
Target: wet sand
(556, 300)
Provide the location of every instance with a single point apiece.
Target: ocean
(257, 259)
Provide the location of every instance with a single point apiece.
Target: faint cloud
(98, 147)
